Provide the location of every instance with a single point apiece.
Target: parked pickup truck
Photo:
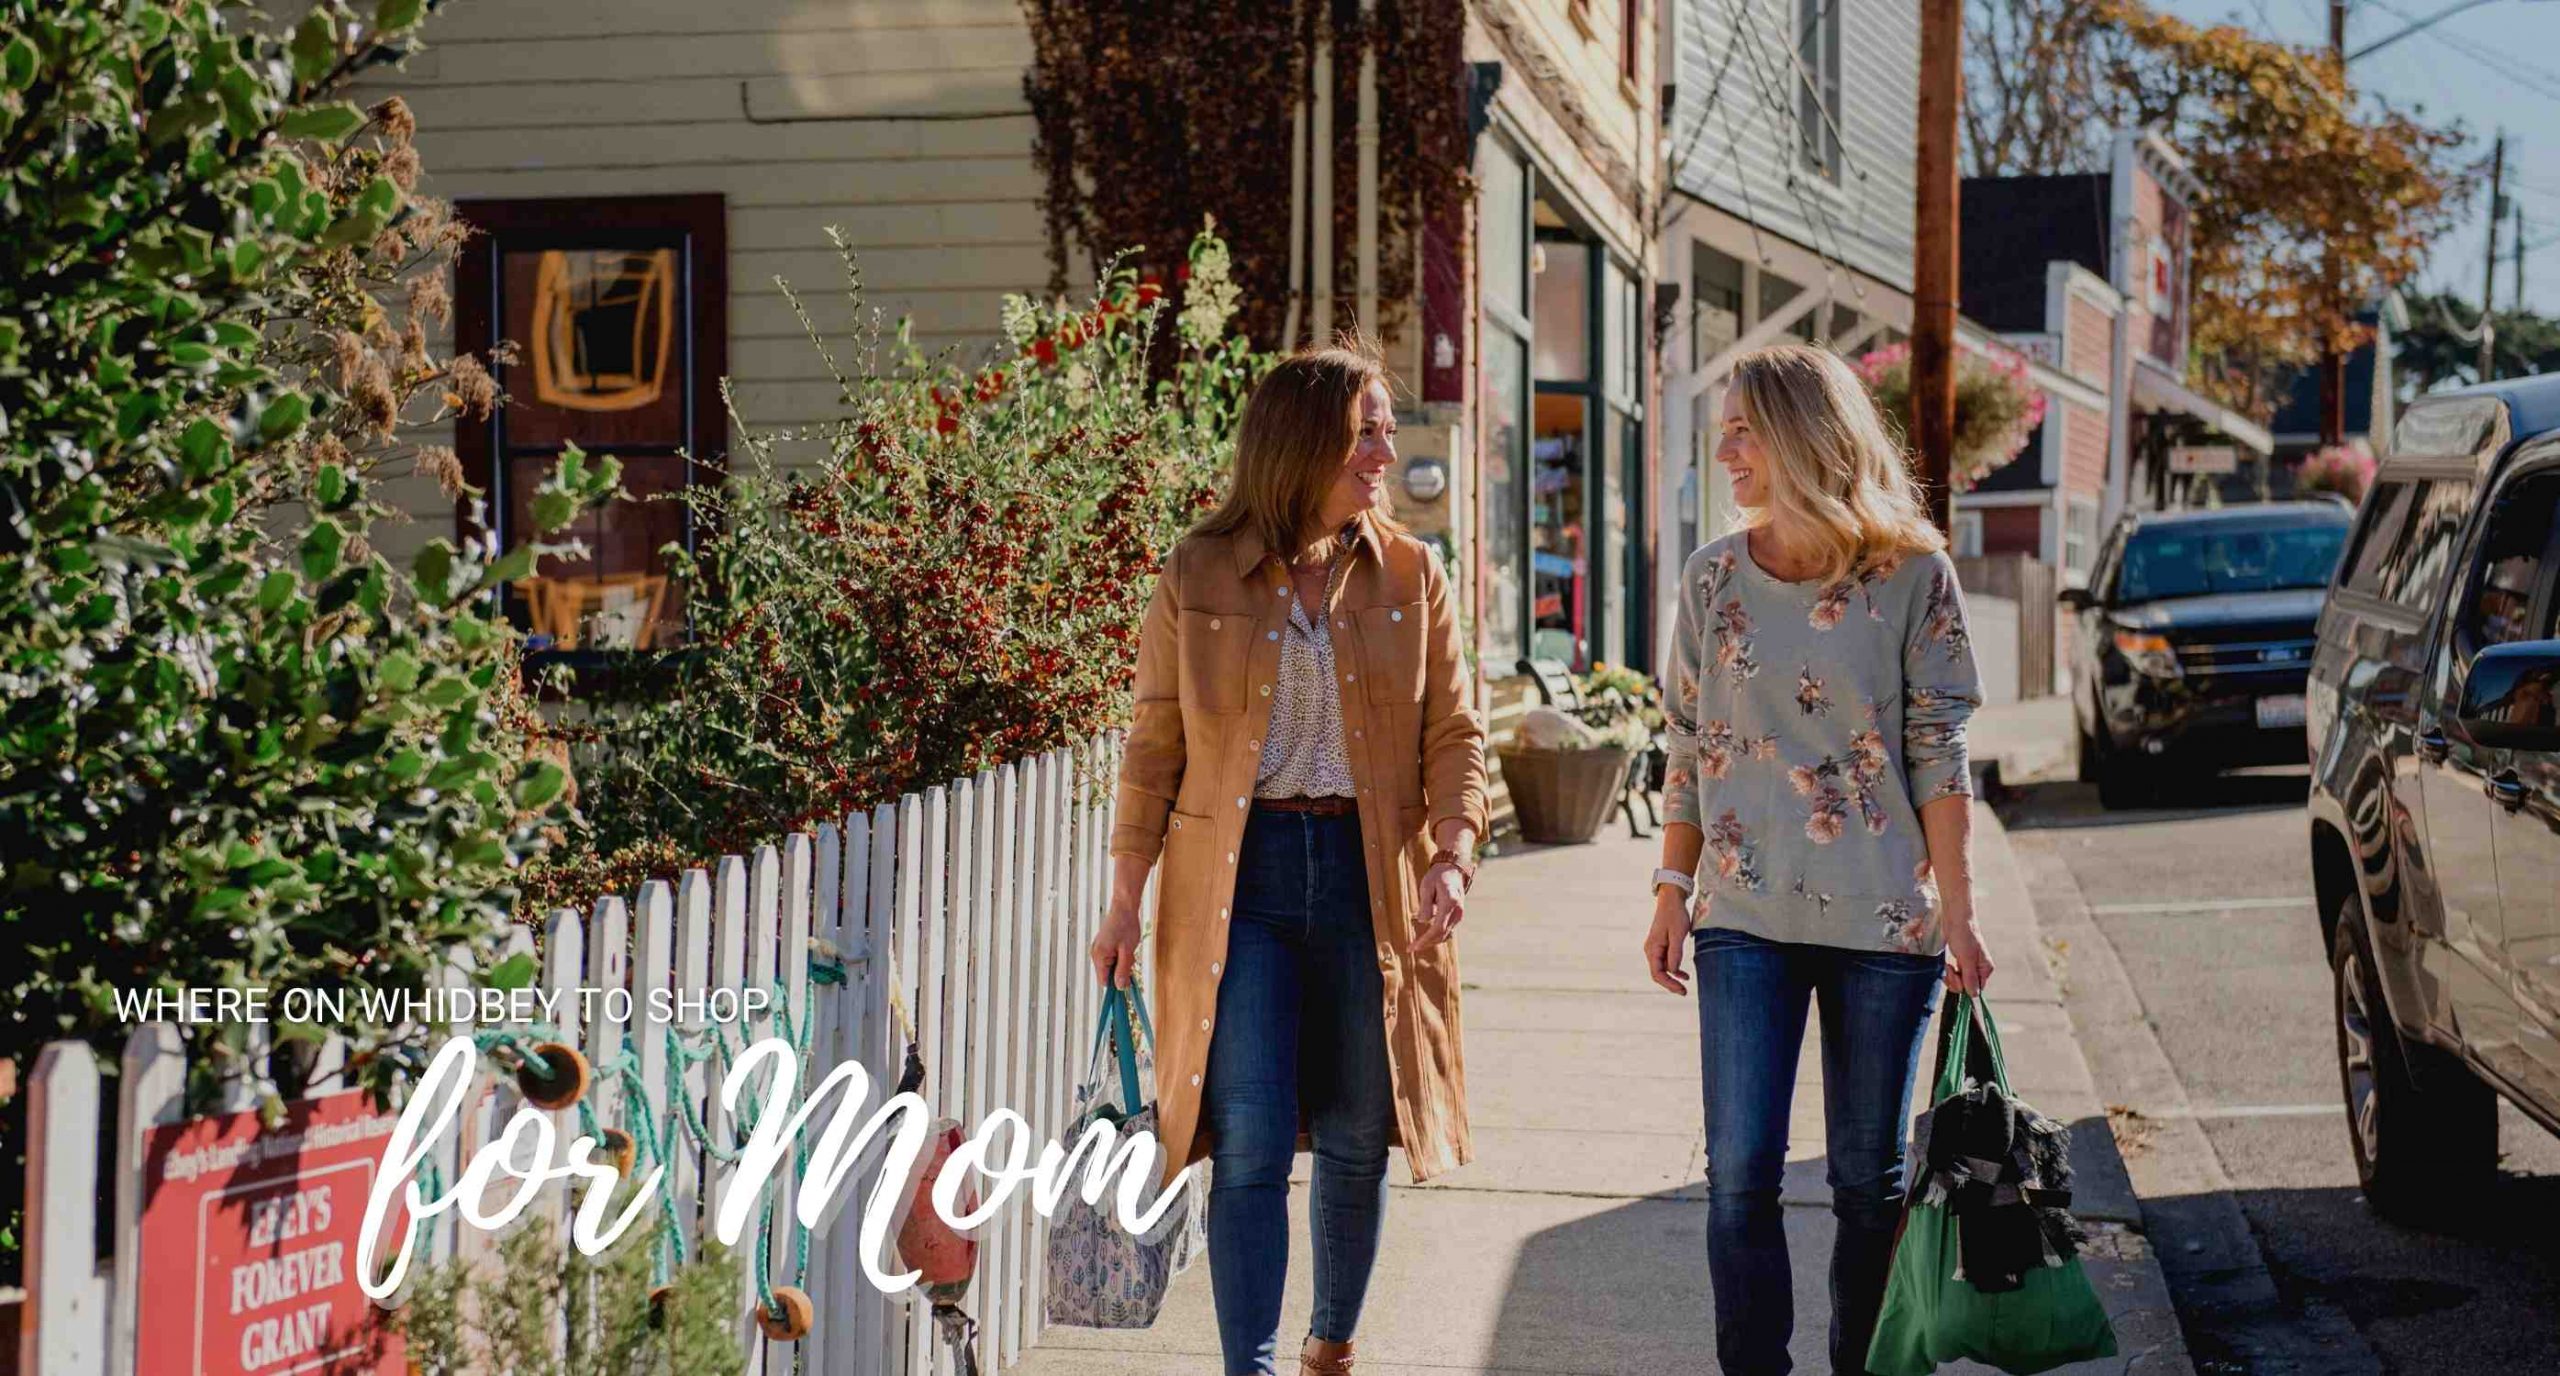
(2433, 717)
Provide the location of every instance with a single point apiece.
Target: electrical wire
(2540, 81)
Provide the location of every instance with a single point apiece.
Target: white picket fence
(986, 892)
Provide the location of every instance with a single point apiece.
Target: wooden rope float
(565, 1082)
(788, 1316)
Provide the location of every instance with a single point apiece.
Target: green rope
(654, 1142)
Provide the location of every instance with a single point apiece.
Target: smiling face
(1362, 484)
(1744, 460)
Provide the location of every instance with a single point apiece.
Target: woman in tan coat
(1305, 763)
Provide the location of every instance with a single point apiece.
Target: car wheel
(2088, 761)
(2424, 1128)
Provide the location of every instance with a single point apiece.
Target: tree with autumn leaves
(2318, 197)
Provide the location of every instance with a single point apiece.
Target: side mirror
(2511, 697)
(2077, 599)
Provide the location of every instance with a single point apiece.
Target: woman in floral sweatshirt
(1818, 845)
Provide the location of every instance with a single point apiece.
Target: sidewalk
(1576, 1240)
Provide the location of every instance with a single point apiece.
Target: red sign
(249, 1244)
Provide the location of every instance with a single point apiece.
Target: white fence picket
(66, 1304)
(730, 921)
(919, 973)
(652, 966)
(785, 962)
(986, 1297)
(153, 1093)
(889, 1354)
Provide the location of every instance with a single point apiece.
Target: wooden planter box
(1564, 796)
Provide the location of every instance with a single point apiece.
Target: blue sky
(2487, 67)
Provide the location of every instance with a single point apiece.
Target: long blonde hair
(1836, 474)
(1298, 429)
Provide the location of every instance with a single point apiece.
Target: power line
(2539, 81)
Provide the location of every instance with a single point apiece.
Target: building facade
(2088, 275)
(1787, 214)
(645, 173)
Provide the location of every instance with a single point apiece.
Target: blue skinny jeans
(1875, 1008)
(1301, 1031)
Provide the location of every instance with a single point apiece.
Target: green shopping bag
(1932, 1316)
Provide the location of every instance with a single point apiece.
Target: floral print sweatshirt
(1808, 725)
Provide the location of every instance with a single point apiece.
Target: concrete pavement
(1576, 1240)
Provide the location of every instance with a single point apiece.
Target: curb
(2051, 1070)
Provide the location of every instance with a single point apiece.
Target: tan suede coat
(1208, 664)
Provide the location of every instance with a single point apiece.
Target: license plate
(2280, 711)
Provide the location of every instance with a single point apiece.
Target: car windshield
(2200, 560)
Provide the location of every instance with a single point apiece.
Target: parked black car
(2192, 640)
(2435, 794)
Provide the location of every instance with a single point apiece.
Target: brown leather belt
(1322, 807)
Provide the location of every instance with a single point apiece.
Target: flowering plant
(1997, 405)
(949, 576)
(1620, 704)
(2340, 468)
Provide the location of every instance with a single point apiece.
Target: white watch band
(1684, 883)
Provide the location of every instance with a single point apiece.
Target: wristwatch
(1466, 868)
(1686, 884)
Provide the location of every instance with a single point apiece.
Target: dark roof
(2300, 413)
(2013, 227)
(2312, 511)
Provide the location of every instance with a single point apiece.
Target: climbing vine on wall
(1153, 114)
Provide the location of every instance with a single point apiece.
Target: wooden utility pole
(2489, 278)
(2333, 364)
(1933, 265)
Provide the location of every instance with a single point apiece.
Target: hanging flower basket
(2340, 468)
(1997, 405)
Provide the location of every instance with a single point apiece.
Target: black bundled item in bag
(1987, 1264)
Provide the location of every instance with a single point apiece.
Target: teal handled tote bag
(1986, 1264)
(1099, 1274)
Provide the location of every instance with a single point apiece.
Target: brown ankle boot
(1321, 1358)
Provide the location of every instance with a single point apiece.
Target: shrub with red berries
(947, 577)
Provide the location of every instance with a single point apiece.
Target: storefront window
(1503, 221)
(1559, 536)
(1505, 389)
(1624, 326)
(1616, 540)
(1564, 313)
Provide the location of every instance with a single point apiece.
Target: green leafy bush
(236, 746)
(461, 1319)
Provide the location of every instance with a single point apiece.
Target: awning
(2157, 389)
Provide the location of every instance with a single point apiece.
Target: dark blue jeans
(1301, 1028)
(1875, 1009)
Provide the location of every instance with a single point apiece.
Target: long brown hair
(1299, 427)
(1837, 476)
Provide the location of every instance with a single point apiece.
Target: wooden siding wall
(1590, 60)
(2084, 448)
(900, 121)
(1735, 63)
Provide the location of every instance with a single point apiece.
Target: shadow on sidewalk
(1626, 1290)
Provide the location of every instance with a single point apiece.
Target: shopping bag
(1099, 1274)
(2016, 1299)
